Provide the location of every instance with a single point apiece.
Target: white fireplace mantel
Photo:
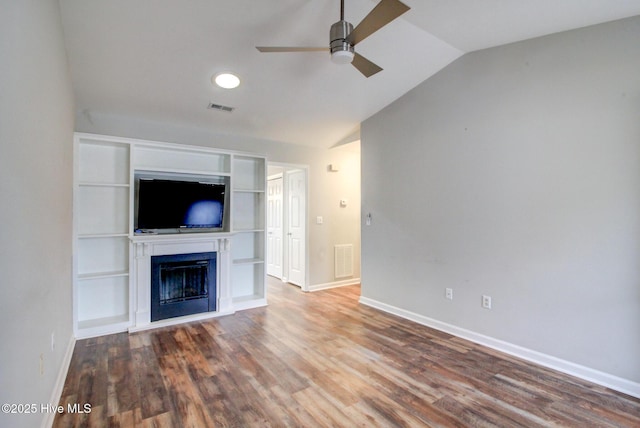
(146, 246)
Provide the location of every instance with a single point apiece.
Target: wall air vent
(343, 260)
(213, 106)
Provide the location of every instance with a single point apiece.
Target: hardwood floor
(321, 359)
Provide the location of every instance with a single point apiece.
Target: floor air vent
(213, 106)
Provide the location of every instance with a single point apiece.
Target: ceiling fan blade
(365, 66)
(384, 12)
(290, 49)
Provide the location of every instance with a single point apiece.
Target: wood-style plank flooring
(321, 359)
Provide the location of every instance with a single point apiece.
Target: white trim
(625, 386)
(180, 320)
(287, 167)
(174, 145)
(56, 393)
(334, 284)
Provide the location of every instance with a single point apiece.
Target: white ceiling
(153, 59)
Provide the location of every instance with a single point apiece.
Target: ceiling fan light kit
(342, 52)
(342, 57)
(343, 37)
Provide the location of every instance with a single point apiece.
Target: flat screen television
(179, 204)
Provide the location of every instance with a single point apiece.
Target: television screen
(173, 204)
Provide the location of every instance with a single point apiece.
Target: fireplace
(182, 284)
(155, 247)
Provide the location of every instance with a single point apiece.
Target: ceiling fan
(343, 37)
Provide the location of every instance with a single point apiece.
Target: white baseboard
(601, 378)
(334, 284)
(47, 420)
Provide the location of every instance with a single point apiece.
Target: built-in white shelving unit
(248, 222)
(101, 200)
(105, 299)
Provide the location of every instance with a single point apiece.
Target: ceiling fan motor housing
(342, 51)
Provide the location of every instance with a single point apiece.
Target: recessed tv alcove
(169, 203)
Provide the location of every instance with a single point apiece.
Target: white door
(274, 227)
(296, 237)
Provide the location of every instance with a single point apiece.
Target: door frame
(282, 169)
(269, 256)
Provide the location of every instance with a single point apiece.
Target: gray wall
(36, 142)
(341, 225)
(515, 172)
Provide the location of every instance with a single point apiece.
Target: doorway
(287, 223)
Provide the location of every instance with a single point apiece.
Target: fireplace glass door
(182, 284)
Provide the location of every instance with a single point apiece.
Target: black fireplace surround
(182, 284)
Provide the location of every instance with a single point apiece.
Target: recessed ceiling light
(226, 80)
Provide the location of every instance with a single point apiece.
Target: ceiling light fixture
(226, 80)
(342, 51)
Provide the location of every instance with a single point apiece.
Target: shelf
(102, 235)
(248, 190)
(103, 257)
(248, 261)
(103, 297)
(101, 275)
(246, 298)
(248, 211)
(249, 302)
(98, 322)
(249, 221)
(248, 279)
(102, 162)
(181, 160)
(183, 171)
(95, 184)
(102, 326)
(102, 210)
(249, 172)
(248, 246)
(180, 148)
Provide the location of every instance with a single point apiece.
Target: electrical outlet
(448, 292)
(486, 301)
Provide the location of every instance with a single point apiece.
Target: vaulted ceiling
(154, 59)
